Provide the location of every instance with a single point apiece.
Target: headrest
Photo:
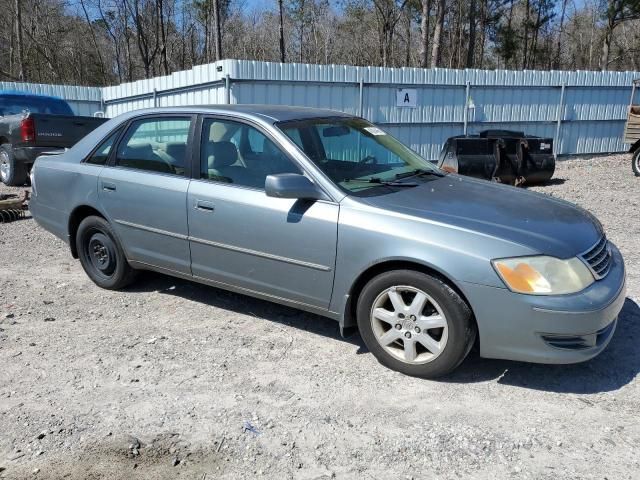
(142, 151)
(224, 154)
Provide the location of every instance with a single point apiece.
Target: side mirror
(292, 185)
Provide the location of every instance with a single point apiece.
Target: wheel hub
(408, 324)
(100, 253)
(4, 167)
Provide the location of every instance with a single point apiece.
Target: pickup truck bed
(33, 125)
(51, 133)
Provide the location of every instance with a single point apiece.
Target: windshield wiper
(419, 171)
(379, 181)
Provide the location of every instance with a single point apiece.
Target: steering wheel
(369, 159)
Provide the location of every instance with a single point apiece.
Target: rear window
(16, 104)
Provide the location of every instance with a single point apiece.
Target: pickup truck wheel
(415, 323)
(12, 173)
(101, 255)
(635, 163)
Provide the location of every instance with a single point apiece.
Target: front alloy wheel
(415, 323)
(409, 324)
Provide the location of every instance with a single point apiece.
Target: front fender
(370, 237)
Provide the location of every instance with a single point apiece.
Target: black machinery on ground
(503, 156)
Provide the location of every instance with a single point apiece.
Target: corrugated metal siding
(593, 110)
(437, 104)
(341, 97)
(83, 100)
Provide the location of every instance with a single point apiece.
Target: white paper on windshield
(374, 131)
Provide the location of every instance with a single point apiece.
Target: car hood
(542, 223)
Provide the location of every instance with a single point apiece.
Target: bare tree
(424, 32)
(19, 41)
(437, 33)
(94, 40)
(560, 33)
(217, 29)
(617, 12)
(472, 34)
(389, 13)
(282, 51)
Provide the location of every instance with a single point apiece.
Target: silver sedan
(328, 213)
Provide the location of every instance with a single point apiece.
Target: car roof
(273, 113)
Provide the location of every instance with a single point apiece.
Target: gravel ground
(170, 379)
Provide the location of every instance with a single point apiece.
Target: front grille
(598, 258)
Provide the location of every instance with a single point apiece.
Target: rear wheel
(12, 172)
(415, 323)
(635, 162)
(101, 255)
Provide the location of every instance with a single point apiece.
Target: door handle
(205, 206)
(108, 187)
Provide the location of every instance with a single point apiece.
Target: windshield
(16, 104)
(359, 157)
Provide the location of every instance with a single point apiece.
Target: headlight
(543, 275)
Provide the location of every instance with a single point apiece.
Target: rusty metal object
(12, 208)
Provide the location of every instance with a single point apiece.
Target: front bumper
(549, 329)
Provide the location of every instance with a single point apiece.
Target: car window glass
(294, 134)
(359, 157)
(101, 155)
(156, 145)
(233, 152)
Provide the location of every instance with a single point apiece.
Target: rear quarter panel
(61, 185)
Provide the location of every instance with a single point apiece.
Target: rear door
(144, 191)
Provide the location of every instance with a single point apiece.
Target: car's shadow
(242, 304)
(549, 183)
(617, 366)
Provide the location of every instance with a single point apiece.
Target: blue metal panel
(342, 97)
(592, 137)
(499, 104)
(599, 103)
(435, 105)
(592, 114)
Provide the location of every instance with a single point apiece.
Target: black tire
(101, 255)
(635, 163)
(12, 172)
(461, 330)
